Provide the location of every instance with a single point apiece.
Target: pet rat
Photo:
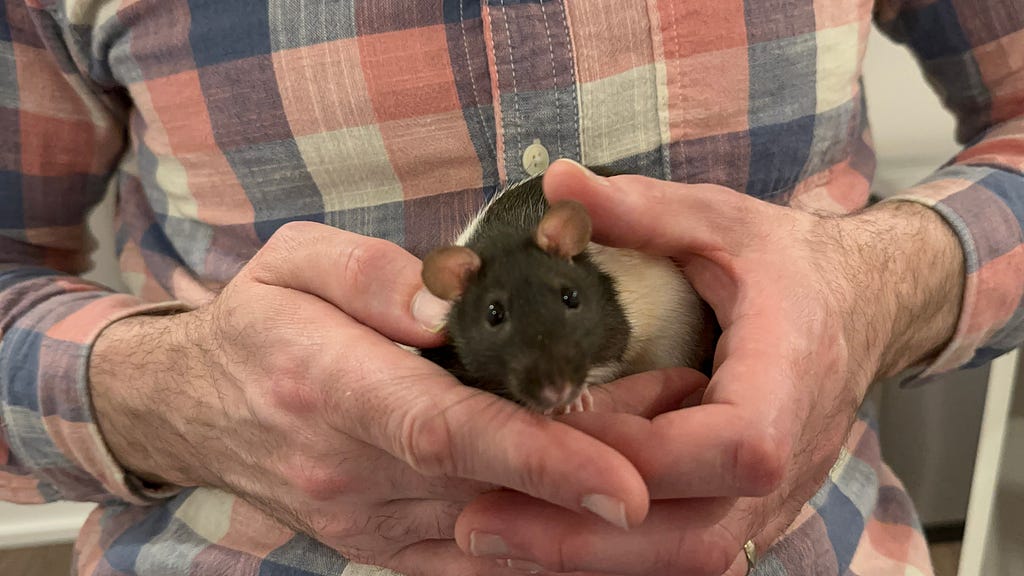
(540, 313)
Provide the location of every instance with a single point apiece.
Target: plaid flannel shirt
(220, 120)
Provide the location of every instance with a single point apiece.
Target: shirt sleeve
(972, 54)
(61, 138)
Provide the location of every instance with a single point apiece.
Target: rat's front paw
(583, 403)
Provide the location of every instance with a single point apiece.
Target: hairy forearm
(907, 269)
(135, 379)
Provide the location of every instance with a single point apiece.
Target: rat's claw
(586, 401)
(583, 403)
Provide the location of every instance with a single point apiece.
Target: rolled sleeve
(51, 433)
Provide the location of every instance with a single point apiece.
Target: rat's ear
(565, 229)
(447, 271)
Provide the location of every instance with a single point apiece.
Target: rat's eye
(570, 297)
(495, 313)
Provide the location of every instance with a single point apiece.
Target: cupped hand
(290, 391)
(813, 309)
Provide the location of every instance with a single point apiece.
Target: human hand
(813, 309)
(288, 390)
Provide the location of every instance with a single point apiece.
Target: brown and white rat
(540, 313)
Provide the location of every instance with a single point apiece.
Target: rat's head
(531, 315)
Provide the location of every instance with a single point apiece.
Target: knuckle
(316, 481)
(710, 558)
(362, 258)
(717, 561)
(291, 389)
(293, 231)
(559, 554)
(562, 560)
(271, 260)
(288, 237)
(760, 463)
(427, 443)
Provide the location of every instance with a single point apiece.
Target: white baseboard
(41, 524)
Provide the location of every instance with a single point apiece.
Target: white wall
(911, 129)
(105, 269)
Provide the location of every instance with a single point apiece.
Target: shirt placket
(533, 85)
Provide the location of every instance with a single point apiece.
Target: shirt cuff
(44, 395)
(971, 200)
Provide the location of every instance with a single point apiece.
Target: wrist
(904, 267)
(134, 380)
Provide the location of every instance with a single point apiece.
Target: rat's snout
(544, 382)
(554, 395)
(551, 395)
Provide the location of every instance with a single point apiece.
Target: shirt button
(535, 158)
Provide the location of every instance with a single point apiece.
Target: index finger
(372, 280)
(417, 412)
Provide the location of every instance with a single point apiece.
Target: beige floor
(55, 560)
(42, 561)
(945, 558)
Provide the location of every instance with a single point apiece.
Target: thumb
(654, 216)
(371, 280)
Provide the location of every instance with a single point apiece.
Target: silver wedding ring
(751, 551)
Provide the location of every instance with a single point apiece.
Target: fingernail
(600, 181)
(429, 310)
(521, 566)
(611, 509)
(483, 544)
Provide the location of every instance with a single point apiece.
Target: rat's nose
(554, 395)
